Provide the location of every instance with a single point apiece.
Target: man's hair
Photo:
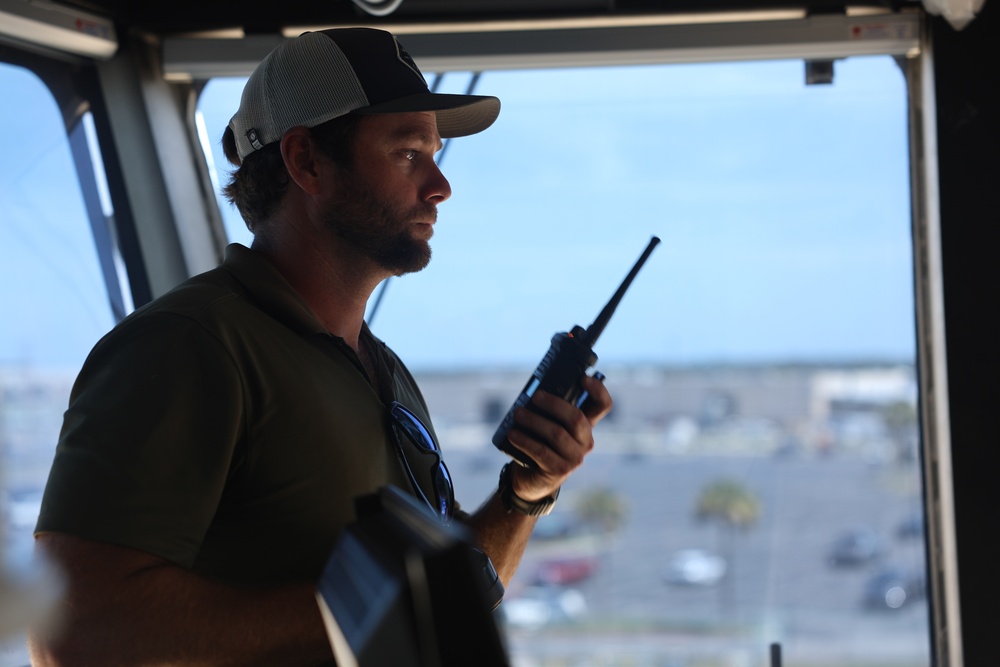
(259, 183)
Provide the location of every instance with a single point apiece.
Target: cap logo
(405, 58)
(254, 139)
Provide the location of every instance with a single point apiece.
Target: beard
(379, 230)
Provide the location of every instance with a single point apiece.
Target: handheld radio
(567, 361)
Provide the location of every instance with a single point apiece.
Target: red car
(565, 570)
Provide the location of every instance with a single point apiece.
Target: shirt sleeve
(154, 421)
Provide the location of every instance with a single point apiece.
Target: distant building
(757, 408)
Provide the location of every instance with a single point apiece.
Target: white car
(695, 567)
(537, 606)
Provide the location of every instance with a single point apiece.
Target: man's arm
(565, 437)
(126, 607)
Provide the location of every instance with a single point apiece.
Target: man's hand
(556, 440)
(559, 439)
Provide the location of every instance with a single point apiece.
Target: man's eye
(410, 154)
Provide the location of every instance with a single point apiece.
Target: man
(215, 439)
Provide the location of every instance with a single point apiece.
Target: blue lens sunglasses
(409, 426)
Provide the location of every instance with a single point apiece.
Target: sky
(783, 211)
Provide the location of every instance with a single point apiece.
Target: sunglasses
(409, 426)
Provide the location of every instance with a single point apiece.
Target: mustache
(425, 213)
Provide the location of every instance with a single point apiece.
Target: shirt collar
(265, 285)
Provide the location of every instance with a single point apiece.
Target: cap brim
(457, 115)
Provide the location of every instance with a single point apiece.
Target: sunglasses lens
(417, 433)
(445, 490)
(414, 427)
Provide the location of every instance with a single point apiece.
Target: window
(55, 307)
(760, 481)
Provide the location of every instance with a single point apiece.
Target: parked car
(893, 587)
(856, 546)
(558, 526)
(565, 569)
(537, 606)
(695, 567)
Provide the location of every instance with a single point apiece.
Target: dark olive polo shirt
(223, 428)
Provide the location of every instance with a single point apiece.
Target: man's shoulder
(192, 311)
(230, 285)
(199, 298)
(244, 289)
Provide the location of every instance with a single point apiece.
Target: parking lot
(779, 585)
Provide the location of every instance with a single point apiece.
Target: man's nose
(437, 189)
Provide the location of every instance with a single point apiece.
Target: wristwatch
(512, 503)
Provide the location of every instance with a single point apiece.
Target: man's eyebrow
(416, 134)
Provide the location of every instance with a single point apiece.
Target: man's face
(386, 204)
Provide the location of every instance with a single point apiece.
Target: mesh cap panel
(319, 76)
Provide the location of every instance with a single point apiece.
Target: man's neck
(335, 283)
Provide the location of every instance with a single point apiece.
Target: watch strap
(513, 503)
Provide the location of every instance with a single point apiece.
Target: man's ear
(303, 159)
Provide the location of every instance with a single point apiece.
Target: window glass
(218, 103)
(758, 481)
(54, 307)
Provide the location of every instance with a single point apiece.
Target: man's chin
(407, 258)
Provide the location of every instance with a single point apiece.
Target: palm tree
(603, 508)
(729, 503)
(735, 509)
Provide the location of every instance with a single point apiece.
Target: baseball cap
(319, 76)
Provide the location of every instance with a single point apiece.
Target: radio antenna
(595, 329)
